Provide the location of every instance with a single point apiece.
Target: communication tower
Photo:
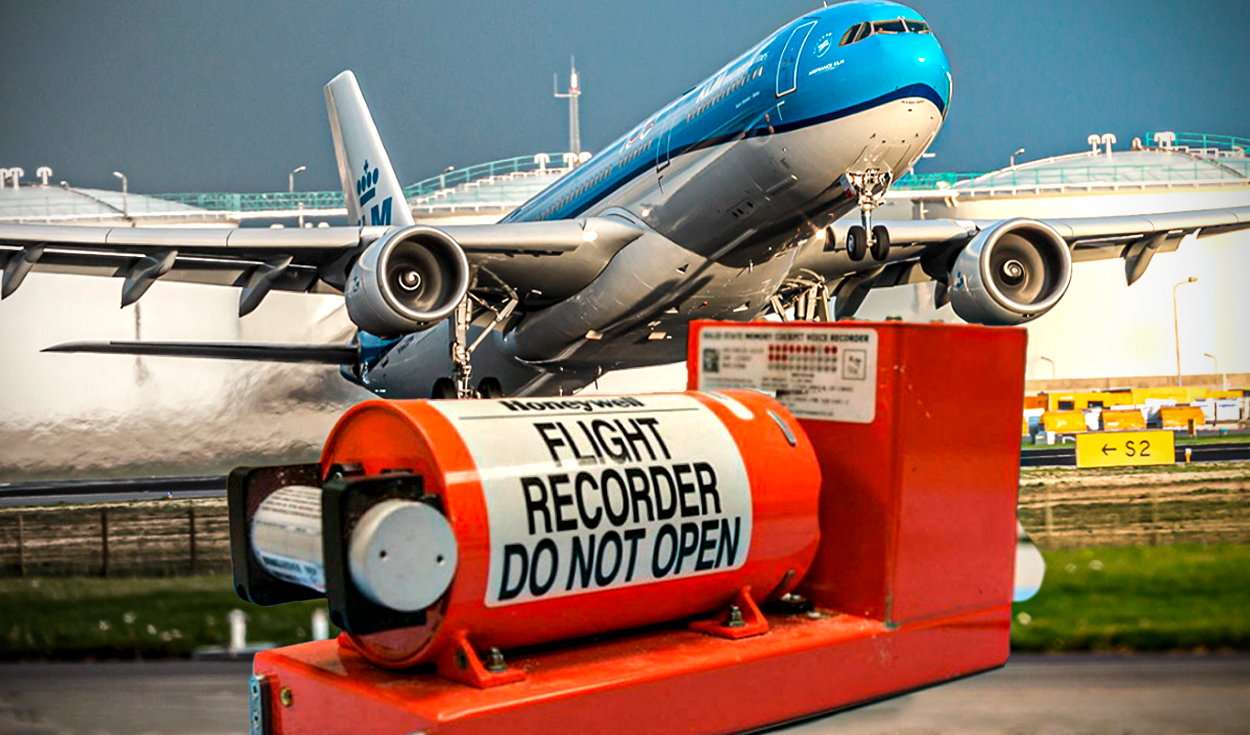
(575, 135)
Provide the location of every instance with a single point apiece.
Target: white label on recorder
(584, 494)
(817, 373)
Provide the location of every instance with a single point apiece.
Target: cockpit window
(849, 36)
(860, 31)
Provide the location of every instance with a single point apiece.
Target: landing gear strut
(460, 384)
(869, 187)
(462, 365)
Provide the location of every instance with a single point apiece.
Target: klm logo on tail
(366, 189)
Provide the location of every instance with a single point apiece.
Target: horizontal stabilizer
(320, 354)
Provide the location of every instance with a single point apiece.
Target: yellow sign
(1125, 448)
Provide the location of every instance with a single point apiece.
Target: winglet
(372, 191)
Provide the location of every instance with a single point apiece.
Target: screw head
(735, 618)
(286, 696)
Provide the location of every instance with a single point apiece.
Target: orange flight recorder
(825, 518)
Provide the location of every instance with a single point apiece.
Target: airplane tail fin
(372, 191)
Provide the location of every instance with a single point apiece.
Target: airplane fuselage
(729, 182)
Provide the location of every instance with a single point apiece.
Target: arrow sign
(1124, 448)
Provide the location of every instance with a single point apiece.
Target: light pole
(1013, 157)
(125, 190)
(290, 179)
(1052, 365)
(1176, 328)
(1223, 381)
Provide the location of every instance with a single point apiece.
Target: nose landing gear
(869, 187)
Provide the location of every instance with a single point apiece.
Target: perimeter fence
(169, 537)
(155, 538)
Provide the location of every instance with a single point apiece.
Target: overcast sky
(226, 96)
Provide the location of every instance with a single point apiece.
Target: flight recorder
(797, 533)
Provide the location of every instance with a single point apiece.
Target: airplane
(724, 204)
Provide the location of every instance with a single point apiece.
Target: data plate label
(817, 373)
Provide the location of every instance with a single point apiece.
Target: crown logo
(366, 185)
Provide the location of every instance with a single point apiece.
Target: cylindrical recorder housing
(557, 518)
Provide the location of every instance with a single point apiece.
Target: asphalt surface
(111, 497)
(1130, 695)
(120, 489)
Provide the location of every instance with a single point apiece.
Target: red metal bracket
(461, 663)
(741, 619)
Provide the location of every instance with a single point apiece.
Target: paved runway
(1137, 695)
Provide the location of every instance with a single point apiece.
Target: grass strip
(83, 618)
(1168, 598)
(1139, 598)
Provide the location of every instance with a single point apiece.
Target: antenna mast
(575, 134)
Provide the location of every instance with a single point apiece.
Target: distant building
(61, 204)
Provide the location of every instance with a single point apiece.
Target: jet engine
(407, 281)
(1010, 273)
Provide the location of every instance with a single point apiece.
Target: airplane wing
(1007, 271)
(310, 260)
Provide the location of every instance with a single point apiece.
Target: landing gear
(462, 366)
(460, 384)
(856, 243)
(869, 187)
(489, 388)
(804, 297)
(444, 389)
(880, 243)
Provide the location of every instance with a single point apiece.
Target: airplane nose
(931, 68)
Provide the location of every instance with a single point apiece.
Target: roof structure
(1164, 161)
(32, 203)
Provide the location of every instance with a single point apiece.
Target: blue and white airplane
(721, 205)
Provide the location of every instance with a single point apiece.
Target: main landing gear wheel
(489, 388)
(880, 243)
(444, 389)
(856, 242)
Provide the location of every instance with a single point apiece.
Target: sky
(226, 96)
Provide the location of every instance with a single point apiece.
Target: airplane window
(859, 32)
(849, 36)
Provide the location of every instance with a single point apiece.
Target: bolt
(286, 696)
(735, 617)
(494, 660)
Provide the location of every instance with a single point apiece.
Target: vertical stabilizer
(370, 186)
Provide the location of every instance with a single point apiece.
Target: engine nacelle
(1010, 273)
(407, 281)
